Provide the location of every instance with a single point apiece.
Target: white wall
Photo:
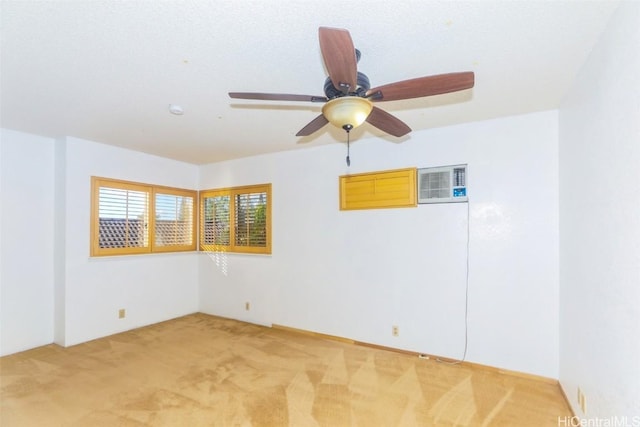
(26, 227)
(352, 274)
(50, 289)
(1, 227)
(60, 239)
(600, 225)
(151, 288)
(355, 274)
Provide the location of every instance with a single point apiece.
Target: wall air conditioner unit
(447, 184)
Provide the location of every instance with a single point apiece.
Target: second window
(236, 219)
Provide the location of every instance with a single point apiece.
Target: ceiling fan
(348, 97)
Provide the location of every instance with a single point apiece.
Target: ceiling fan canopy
(348, 96)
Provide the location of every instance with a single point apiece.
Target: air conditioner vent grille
(434, 185)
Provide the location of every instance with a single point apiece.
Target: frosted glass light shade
(347, 110)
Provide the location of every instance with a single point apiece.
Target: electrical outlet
(395, 331)
(122, 313)
(247, 306)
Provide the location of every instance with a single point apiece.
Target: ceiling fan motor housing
(362, 86)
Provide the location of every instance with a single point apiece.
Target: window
(174, 220)
(133, 218)
(236, 219)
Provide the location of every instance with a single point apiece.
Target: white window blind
(216, 221)
(173, 220)
(251, 219)
(123, 218)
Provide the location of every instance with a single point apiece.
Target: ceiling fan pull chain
(348, 159)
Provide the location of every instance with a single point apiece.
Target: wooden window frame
(232, 192)
(150, 225)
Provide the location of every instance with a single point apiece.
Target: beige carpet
(202, 370)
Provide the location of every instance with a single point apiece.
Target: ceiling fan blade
(277, 97)
(339, 57)
(313, 126)
(388, 123)
(422, 86)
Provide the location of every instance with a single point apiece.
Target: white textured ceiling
(107, 71)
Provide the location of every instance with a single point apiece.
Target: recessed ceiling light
(176, 109)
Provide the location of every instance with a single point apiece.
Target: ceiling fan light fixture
(349, 111)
